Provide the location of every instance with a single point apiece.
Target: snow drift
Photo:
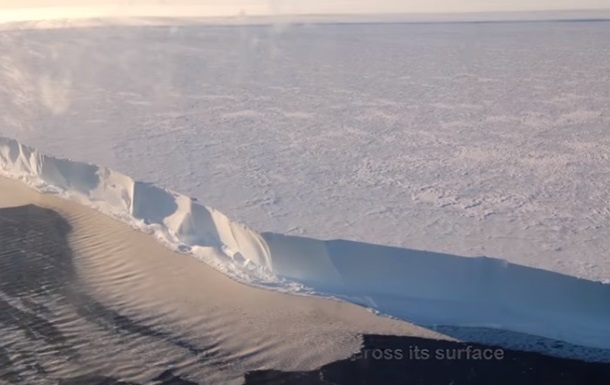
(422, 287)
(172, 218)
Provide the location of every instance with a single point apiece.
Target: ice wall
(423, 287)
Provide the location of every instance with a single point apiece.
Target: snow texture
(463, 139)
(422, 287)
(469, 139)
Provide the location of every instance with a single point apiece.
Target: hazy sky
(332, 6)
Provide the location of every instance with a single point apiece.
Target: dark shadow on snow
(36, 268)
(388, 360)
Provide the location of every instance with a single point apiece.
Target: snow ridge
(426, 288)
(174, 219)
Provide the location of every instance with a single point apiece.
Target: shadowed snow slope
(423, 287)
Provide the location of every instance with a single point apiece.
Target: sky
(228, 8)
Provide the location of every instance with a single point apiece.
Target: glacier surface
(423, 287)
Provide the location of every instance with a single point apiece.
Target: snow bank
(423, 287)
(434, 289)
(174, 219)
